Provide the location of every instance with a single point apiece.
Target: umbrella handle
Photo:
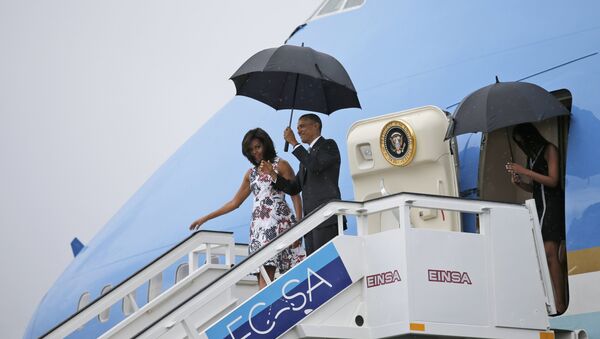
(287, 144)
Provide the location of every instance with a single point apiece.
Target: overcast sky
(94, 97)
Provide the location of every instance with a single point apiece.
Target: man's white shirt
(311, 144)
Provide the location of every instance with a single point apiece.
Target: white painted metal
(132, 303)
(412, 272)
(541, 256)
(431, 171)
(167, 301)
(497, 303)
(505, 297)
(194, 243)
(246, 267)
(478, 309)
(264, 274)
(184, 290)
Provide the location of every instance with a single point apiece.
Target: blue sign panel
(288, 300)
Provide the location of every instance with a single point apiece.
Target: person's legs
(323, 234)
(562, 258)
(556, 274)
(271, 272)
(308, 243)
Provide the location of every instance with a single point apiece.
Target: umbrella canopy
(297, 77)
(501, 105)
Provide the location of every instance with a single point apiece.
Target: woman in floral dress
(271, 214)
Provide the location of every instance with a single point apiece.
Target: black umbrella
(296, 77)
(501, 105)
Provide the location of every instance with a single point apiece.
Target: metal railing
(210, 243)
(401, 202)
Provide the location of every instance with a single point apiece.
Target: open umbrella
(296, 77)
(501, 105)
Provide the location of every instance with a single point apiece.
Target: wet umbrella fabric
(501, 105)
(295, 77)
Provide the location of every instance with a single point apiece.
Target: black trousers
(319, 237)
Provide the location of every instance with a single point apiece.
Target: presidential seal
(398, 143)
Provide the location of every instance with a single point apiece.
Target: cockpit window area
(330, 7)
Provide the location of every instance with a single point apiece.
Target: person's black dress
(550, 202)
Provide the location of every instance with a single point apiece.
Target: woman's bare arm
(286, 171)
(550, 180)
(516, 179)
(241, 195)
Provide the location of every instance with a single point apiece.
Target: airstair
(409, 271)
(405, 281)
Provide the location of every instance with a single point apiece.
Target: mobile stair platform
(409, 271)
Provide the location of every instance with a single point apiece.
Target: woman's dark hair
(265, 139)
(529, 139)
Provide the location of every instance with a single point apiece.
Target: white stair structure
(210, 244)
(408, 272)
(404, 281)
(407, 280)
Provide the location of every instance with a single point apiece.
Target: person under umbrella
(298, 77)
(542, 173)
(271, 214)
(503, 105)
(317, 177)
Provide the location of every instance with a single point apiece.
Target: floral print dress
(271, 216)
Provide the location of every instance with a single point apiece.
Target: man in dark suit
(317, 178)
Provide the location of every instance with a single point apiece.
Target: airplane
(400, 55)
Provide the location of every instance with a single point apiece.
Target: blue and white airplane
(400, 55)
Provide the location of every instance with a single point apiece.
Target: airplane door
(404, 152)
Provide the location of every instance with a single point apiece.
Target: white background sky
(94, 97)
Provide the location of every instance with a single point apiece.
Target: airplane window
(154, 287)
(84, 300)
(353, 3)
(331, 6)
(182, 271)
(127, 306)
(104, 315)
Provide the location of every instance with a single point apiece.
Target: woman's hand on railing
(297, 243)
(196, 224)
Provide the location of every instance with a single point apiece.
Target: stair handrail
(256, 259)
(249, 265)
(324, 212)
(191, 244)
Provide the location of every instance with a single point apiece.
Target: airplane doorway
(498, 148)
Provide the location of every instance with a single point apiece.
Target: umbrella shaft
(287, 144)
(291, 115)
